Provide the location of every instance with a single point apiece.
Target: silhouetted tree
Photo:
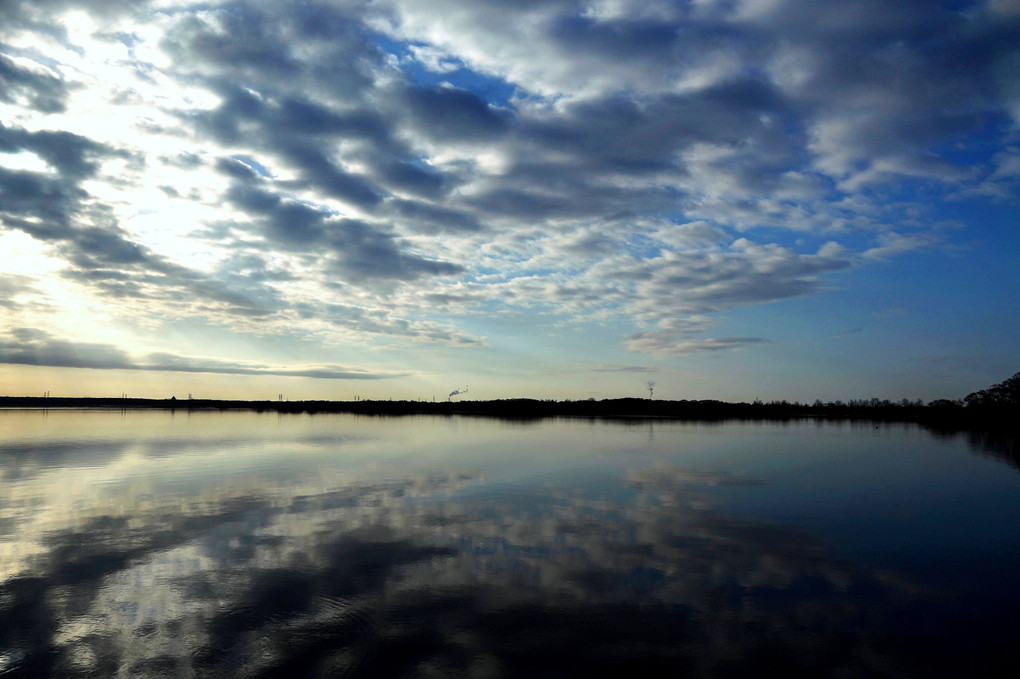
(1005, 394)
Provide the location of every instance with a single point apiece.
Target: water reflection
(322, 564)
(1000, 444)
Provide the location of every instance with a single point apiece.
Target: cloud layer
(400, 173)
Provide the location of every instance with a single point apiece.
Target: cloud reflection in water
(303, 568)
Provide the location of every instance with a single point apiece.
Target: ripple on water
(334, 639)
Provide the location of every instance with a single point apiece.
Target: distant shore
(944, 413)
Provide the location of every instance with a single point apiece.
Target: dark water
(248, 545)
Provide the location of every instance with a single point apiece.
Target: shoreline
(995, 430)
(621, 408)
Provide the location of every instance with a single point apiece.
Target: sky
(567, 199)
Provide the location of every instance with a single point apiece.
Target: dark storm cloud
(28, 346)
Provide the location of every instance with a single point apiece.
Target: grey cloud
(251, 198)
(241, 35)
(322, 172)
(451, 113)
(233, 167)
(224, 122)
(301, 116)
(292, 129)
(43, 92)
(742, 114)
(255, 40)
(27, 346)
(298, 223)
(116, 267)
(46, 204)
(677, 291)
(624, 369)
(38, 204)
(891, 244)
(413, 178)
(361, 251)
(106, 246)
(382, 322)
(72, 156)
(896, 80)
(52, 207)
(170, 362)
(287, 222)
(252, 266)
(874, 58)
(423, 217)
(745, 274)
(665, 343)
(12, 286)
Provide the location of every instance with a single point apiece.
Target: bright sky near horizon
(735, 199)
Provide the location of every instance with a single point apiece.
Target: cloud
(665, 343)
(624, 369)
(30, 87)
(272, 166)
(12, 287)
(409, 572)
(356, 248)
(448, 112)
(27, 346)
(892, 244)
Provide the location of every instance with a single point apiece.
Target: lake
(239, 544)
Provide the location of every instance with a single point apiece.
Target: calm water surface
(247, 545)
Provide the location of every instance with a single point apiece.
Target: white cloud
(893, 244)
